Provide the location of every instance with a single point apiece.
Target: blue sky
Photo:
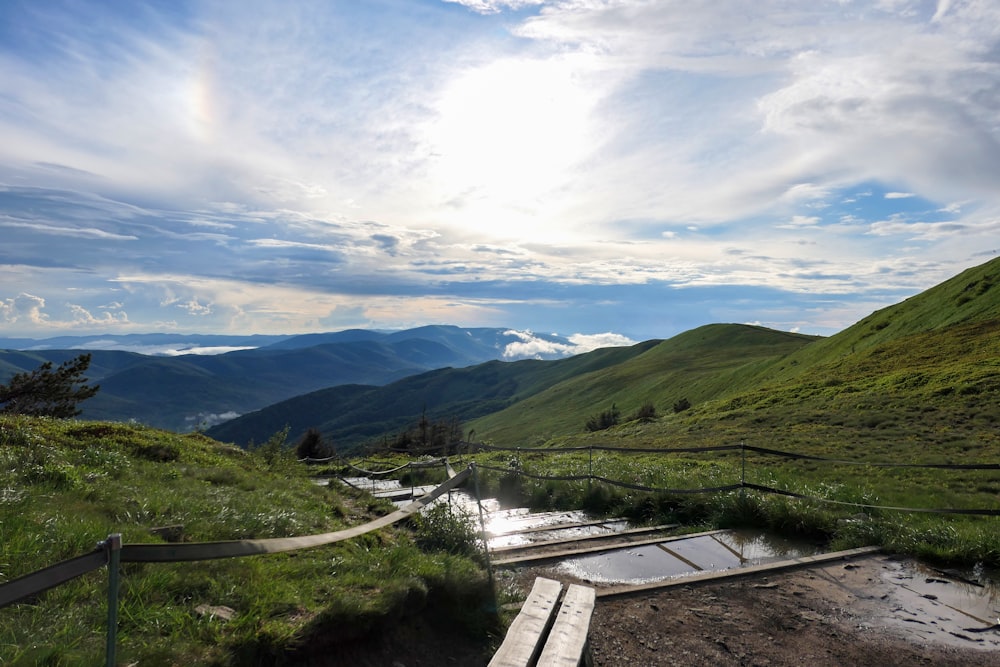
(579, 166)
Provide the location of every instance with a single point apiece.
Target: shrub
(605, 420)
(313, 446)
(646, 413)
(441, 528)
(274, 450)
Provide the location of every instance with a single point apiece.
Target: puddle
(656, 562)
(928, 603)
(520, 526)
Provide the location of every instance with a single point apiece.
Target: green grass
(65, 485)
(834, 520)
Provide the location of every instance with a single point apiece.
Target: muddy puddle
(717, 551)
(959, 608)
(926, 604)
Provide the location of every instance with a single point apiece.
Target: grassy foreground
(65, 485)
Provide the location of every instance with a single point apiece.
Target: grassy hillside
(353, 415)
(697, 365)
(916, 383)
(66, 484)
(924, 370)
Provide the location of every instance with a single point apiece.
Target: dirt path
(869, 611)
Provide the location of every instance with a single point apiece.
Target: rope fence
(111, 552)
(742, 483)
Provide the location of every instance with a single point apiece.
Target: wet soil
(844, 613)
(865, 611)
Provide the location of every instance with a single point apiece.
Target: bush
(313, 446)
(605, 420)
(441, 528)
(274, 450)
(681, 405)
(646, 413)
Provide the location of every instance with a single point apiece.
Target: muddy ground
(869, 611)
(873, 610)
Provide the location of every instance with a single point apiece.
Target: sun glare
(509, 132)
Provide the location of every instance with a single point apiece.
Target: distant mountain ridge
(184, 391)
(950, 333)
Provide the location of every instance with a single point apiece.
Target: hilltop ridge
(949, 332)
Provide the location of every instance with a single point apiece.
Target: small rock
(215, 611)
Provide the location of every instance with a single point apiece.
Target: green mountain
(353, 414)
(925, 368)
(182, 392)
(922, 374)
(696, 365)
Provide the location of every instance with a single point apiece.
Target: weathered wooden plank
(610, 546)
(708, 577)
(580, 539)
(526, 633)
(568, 637)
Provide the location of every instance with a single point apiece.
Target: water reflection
(716, 551)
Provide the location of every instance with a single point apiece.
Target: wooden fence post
(114, 547)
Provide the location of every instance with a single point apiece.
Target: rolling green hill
(923, 369)
(920, 378)
(353, 414)
(696, 365)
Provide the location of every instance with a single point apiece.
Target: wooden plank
(707, 577)
(567, 640)
(611, 546)
(524, 638)
(631, 532)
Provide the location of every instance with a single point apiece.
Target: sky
(613, 170)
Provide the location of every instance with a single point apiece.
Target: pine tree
(48, 393)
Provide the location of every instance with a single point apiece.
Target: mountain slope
(931, 360)
(192, 390)
(351, 415)
(695, 365)
(920, 379)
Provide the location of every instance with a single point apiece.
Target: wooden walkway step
(536, 639)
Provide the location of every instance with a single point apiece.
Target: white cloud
(496, 6)
(23, 307)
(531, 346)
(83, 317)
(589, 342)
(195, 307)
(898, 195)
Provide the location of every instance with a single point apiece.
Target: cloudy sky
(570, 166)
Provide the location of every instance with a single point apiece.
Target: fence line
(741, 447)
(742, 484)
(111, 552)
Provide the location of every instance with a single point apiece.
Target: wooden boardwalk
(539, 636)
